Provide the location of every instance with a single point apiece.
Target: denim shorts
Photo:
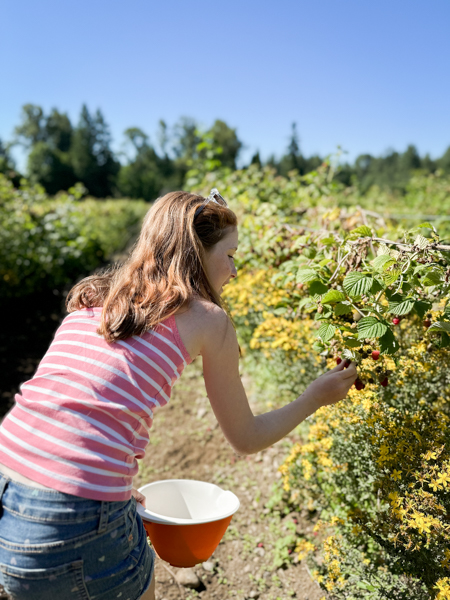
(55, 545)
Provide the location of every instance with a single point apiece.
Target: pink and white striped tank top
(80, 424)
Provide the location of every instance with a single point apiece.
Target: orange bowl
(186, 519)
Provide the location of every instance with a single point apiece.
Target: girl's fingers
(139, 497)
(350, 373)
(344, 364)
(339, 367)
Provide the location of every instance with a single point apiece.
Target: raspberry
(260, 545)
(385, 382)
(376, 354)
(396, 320)
(338, 360)
(359, 385)
(427, 323)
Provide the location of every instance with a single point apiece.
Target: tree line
(60, 154)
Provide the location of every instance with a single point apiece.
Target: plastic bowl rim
(160, 519)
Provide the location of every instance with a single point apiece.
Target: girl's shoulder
(198, 322)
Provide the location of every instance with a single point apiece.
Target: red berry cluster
(427, 321)
(382, 375)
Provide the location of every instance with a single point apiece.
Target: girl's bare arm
(246, 432)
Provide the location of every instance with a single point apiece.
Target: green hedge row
(48, 243)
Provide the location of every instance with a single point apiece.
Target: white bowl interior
(183, 501)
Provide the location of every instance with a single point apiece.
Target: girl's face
(219, 262)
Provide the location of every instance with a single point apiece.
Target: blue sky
(368, 76)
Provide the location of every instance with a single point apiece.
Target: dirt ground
(186, 442)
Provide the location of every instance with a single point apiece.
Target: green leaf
(318, 347)
(421, 307)
(309, 252)
(280, 311)
(324, 262)
(326, 332)
(357, 284)
(370, 327)
(392, 276)
(351, 342)
(317, 288)
(288, 278)
(363, 231)
(421, 242)
(342, 309)
(432, 278)
(388, 343)
(383, 249)
(440, 326)
(420, 268)
(400, 306)
(322, 317)
(381, 261)
(328, 241)
(377, 285)
(306, 275)
(364, 585)
(427, 225)
(302, 239)
(303, 302)
(445, 340)
(333, 296)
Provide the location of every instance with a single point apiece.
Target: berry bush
(323, 277)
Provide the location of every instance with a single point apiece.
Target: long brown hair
(164, 270)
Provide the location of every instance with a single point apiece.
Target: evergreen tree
(141, 177)
(50, 167)
(7, 164)
(444, 162)
(256, 159)
(92, 159)
(32, 128)
(409, 161)
(294, 147)
(83, 158)
(428, 164)
(186, 139)
(312, 163)
(59, 131)
(163, 136)
(48, 141)
(293, 159)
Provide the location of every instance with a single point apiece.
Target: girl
(69, 446)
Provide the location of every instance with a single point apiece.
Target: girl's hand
(334, 385)
(139, 497)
